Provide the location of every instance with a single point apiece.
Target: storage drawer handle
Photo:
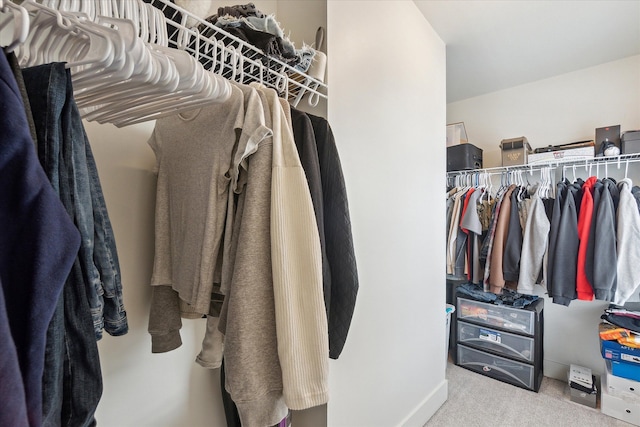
(487, 368)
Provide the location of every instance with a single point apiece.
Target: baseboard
(555, 370)
(425, 410)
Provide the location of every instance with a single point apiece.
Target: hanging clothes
(60, 132)
(264, 254)
(297, 273)
(605, 257)
(627, 248)
(584, 288)
(535, 243)
(559, 242)
(340, 252)
(563, 279)
(32, 269)
(252, 368)
(470, 223)
(305, 140)
(496, 278)
(92, 299)
(513, 243)
(590, 255)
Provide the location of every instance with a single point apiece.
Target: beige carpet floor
(478, 401)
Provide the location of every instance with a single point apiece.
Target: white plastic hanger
(116, 50)
(64, 37)
(19, 18)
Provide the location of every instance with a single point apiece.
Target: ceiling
(494, 45)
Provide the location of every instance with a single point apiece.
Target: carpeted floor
(478, 401)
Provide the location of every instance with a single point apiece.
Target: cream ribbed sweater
(301, 322)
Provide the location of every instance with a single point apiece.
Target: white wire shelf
(133, 61)
(570, 162)
(234, 59)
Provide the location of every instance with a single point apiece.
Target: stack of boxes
(620, 386)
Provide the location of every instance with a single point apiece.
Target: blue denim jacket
(71, 379)
(60, 130)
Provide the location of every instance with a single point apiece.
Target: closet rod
(565, 163)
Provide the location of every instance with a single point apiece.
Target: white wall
(558, 110)
(387, 110)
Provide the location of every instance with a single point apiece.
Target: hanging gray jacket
(605, 258)
(628, 250)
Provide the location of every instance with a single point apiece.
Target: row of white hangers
(481, 179)
(117, 50)
(122, 71)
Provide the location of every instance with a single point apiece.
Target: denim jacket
(59, 129)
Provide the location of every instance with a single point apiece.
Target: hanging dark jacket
(305, 140)
(513, 246)
(563, 276)
(561, 191)
(339, 240)
(38, 244)
(635, 191)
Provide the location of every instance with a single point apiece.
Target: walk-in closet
(100, 194)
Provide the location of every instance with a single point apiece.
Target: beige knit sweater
(301, 322)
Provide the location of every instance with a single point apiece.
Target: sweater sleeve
(301, 321)
(164, 319)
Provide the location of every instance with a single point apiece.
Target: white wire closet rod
(233, 58)
(564, 163)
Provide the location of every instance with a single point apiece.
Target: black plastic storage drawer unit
(501, 342)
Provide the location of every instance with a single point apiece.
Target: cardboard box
(571, 154)
(630, 142)
(515, 151)
(618, 407)
(615, 352)
(456, 134)
(626, 370)
(621, 387)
